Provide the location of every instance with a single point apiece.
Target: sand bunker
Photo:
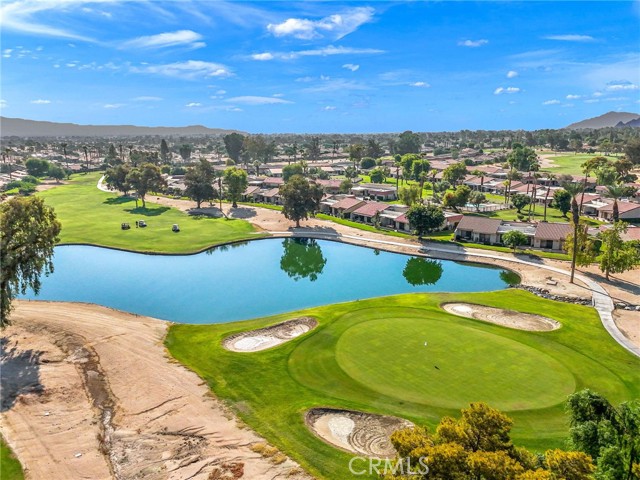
(505, 318)
(263, 338)
(357, 432)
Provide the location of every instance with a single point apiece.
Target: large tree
(458, 198)
(425, 218)
(199, 182)
(165, 154)
(236, 182)
(116, 178)
(514, 239)
(520, 200)
(38, 167)
(144, 179)
(618, 256)
(234, 143)
(28, 232)
(478, 446)
(408, 142)
(454, 173)
(289, 171)
(574, 189)
(300, 198)
(562, 201)
(609, 434)
(632, 151)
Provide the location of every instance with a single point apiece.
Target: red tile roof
(347, 203)
(623, 207)
(552, 231)
(370, 209)
(479, 224)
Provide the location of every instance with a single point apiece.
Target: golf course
(91, 216)
(405, 356)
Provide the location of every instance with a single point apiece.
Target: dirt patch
(505, 318)
(629, 324)
(269, 337)
(357, 432)
(77, 409)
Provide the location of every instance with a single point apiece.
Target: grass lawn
(10, 468)
(369, 355)
(89, 215)
(571, 163)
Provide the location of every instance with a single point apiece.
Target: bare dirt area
(90, 392)
(505, 318)
(629, 324)
(48, 185)
(356, 432)
(269, 337)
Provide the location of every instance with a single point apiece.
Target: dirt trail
(98, 397)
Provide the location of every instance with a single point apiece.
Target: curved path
(601, 300)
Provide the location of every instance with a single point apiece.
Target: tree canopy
(144, 179)
(235, 179)
(300, 198)
(28, 232)
(425, 218)
(233, 144)
(199, 182)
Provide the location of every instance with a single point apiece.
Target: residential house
(551, 235)
(478, 229)
(367, 212)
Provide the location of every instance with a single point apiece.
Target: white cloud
(190, 69)
(193, 104)
(592, 100)
(6, 53)
(278, 95)
(256, 100)
(113, 105)
(262, 56)
(20, 16)
(619, 85)
(40, 102)
(551, 102)
(573, 97)
(335, 85)
(3, 103)
(501, 90)
(147, 99)
(328, 108)
(180, 38)
(473, 43)
(419, 84)
(597, 94)
(351, 66)
(334, 26)
(315, 52)
(512, 74)
(570, 38)
(221, 92)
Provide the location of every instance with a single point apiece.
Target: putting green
(448, 365)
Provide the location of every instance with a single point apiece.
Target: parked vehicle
(175, 228)
(142, 223)
(125, 226)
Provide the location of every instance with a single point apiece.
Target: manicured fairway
(571, 164)
(89, 215)
(370, 355)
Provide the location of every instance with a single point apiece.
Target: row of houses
(489, 231)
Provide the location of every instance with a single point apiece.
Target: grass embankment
(89, 215)
(10, 468)
(370, 355)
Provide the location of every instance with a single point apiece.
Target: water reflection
(422, 271)
(509, 277)
(302, 258)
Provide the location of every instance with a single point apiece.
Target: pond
(252, 279)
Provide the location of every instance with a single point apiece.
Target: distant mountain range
(19, 127)
(611, 119)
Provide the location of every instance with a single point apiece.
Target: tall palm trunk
(575, 214)
(546, 198)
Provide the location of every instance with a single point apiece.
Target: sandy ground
(357, 432)
(269, 337)
(90, 392)
(48, 184)
(505, 318)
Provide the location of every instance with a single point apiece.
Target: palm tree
(64, 151)
(550, 178)
(615, 191)
(574, 189)
(481, 174)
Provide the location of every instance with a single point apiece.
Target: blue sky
(319, 66)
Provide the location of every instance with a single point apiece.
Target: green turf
(89, 215)
(369, 355)
(571, 163)
(10, 468)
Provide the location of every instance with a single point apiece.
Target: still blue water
(250, 280)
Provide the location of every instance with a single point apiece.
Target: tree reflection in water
(422, 271)
(302, 258)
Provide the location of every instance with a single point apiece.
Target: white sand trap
(357, 432)
(256, 340)
(505, 318)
